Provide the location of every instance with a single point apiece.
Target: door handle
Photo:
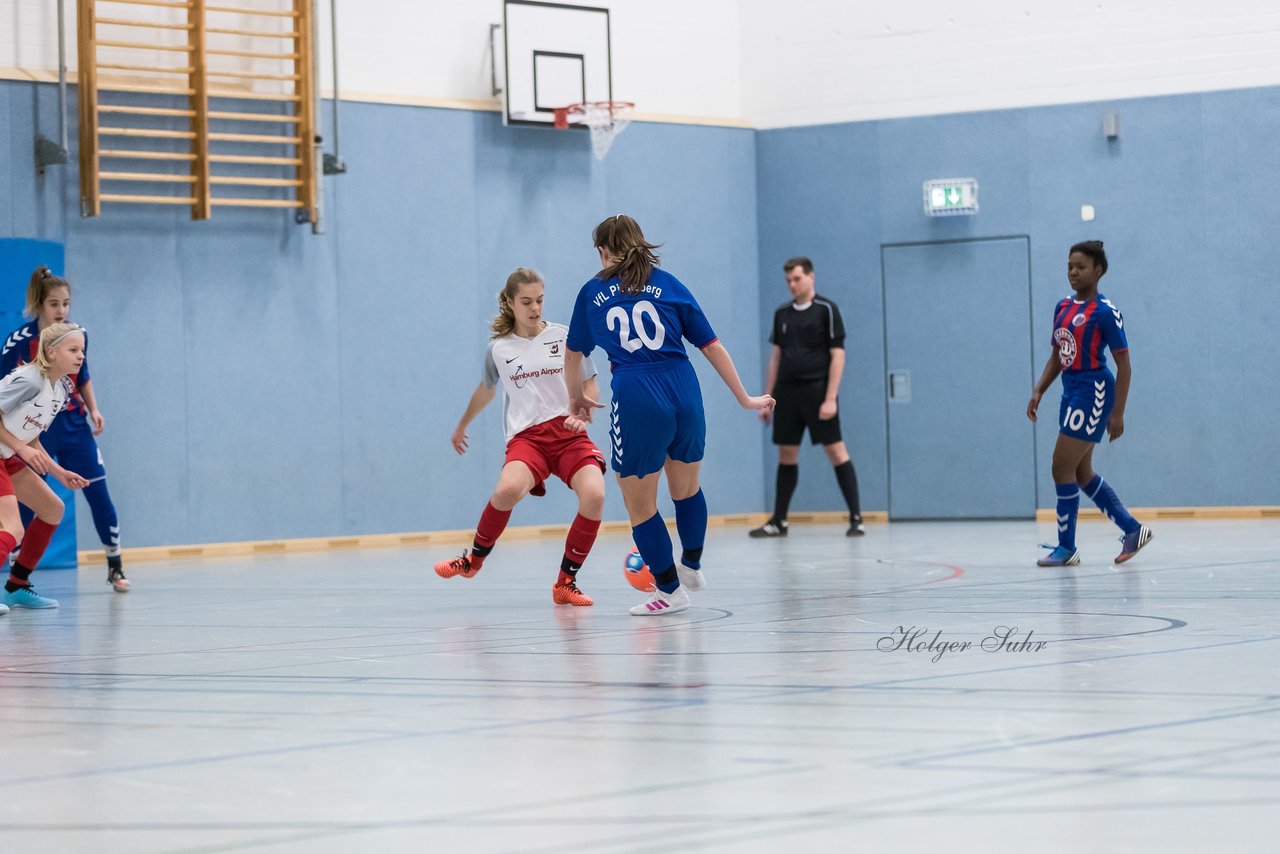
(900, 386)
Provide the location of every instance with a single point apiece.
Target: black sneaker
(856, 530)
(115, 574)
(770, 529)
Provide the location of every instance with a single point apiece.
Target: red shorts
(11, 466)
(551, 448)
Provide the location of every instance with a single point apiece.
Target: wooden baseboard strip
(529, 532)
(1171, 513)
(432, 538)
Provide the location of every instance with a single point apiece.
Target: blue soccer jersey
(1083, 330)
(638, 330)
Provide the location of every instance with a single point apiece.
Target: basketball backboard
(555, 55)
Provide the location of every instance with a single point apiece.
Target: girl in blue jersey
(70, 438)
(1084, 326)
(639, 315)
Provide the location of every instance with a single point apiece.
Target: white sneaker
(694, 579)
(662, 603)
(4, 609)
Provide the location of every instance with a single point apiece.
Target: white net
(606, 119)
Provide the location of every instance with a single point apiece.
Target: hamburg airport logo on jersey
(521, 376)
(1066, 346)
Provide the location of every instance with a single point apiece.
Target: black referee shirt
(806, 338)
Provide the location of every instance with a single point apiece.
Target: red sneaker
(465, 566)
(569, 594)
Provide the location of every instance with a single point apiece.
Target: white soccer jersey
(29, 403)
(532, 375)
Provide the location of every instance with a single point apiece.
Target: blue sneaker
(1133, 542)
(1060, 556)
(25, 597)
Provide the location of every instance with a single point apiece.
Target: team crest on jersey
(1066, 346)
(1078, 320)
(555, 348)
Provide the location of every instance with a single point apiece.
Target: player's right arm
(480, 398)
(16, 390)
(33, 455)
(1052, 368)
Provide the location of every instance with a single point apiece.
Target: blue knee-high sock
(691, 524)
(1109, 503)
(104, 516)
(654, 542)
(1068, 509)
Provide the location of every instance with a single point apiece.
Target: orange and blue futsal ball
(636, 572)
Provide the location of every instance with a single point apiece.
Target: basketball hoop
(605, 120)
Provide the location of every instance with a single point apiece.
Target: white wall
(664, 56)
(801, 62)
(823, 61)
(673, 57)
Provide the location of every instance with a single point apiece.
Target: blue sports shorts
(1087, 399)
(656, 413)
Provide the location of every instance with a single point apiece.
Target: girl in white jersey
(526, 355)
(30, 398)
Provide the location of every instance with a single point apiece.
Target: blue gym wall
(1187, 205)
(260, 381)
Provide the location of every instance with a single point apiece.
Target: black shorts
(797, 409)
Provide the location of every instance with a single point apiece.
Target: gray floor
(355, 702)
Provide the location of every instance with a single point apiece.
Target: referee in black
(804, 377)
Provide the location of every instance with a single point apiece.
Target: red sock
(8, 542)
(492, 523)
(582, 536)
(34, 542)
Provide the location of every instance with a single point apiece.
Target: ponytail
(634, 258)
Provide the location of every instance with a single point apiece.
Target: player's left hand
(1115, 426)
(577, 425)
(95, 418)
(69, 479)
(763, 403)
(580, 407)
(827, 410)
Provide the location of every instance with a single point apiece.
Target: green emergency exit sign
(951, 196)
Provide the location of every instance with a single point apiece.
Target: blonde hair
(43, 281)
(50, 337)
(505, 321)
